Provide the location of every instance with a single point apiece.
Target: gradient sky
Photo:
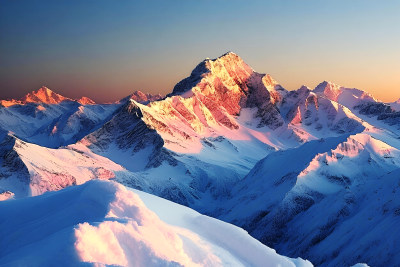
(107, 49)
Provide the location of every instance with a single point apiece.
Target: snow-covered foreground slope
(101, 222)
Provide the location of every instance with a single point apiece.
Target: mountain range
(312, 173)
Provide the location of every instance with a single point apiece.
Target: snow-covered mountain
(49, 119)
(28, 170)
(102, 223)
(299, 170)
(46, 96)
(332, 203)
(349, 97)
(395, 105)
(363, 104)
(223, 118)
(141, 97)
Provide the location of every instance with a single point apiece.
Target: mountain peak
(229, 58)
(86, 101)
(44, 95)
(227, 66)
(349, 97)
(45, 89)
(229, 54)
(226, 55)
(329, 89)
(304, 88)
(323, 85)
(141, 97)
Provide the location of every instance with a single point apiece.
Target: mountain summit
(230, 82)
(86, 101)
(349, 97)
(44, 95)
(226, 65)
(329, 89)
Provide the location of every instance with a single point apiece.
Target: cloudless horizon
(105, 50)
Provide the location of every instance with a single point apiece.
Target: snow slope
(363, 104)
(349, 97)
(210, 131)
(103, 223)
(334, 201)
(396, 105)
(54, 125)
(48, 119)
(28, 170)
(312, 173)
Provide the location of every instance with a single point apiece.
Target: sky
(105, 50)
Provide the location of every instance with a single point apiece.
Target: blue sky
(107, 49)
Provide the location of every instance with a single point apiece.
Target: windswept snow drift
(103, 222)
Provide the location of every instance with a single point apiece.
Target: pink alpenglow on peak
(329, 89)
(86, 101)
(8, 103)
(44, 95)
(349, 97)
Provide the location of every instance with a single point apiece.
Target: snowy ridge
(141, 97)
(349, 97)
(49, 119)
(29, 170)
(223, 110)
(311, 173)
(208, 103)
(46, 96)
(319, 116)
(103, 223)
(54, 125)
(309, 207)
(396, 105)
(86, 101)
(363, 104)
